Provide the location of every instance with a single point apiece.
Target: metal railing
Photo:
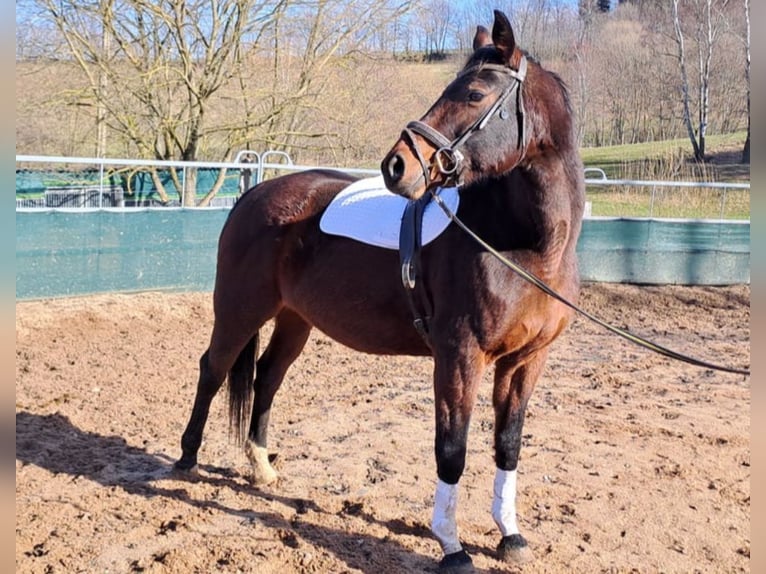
(656, 186)
(252, 167)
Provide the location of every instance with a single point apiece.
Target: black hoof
(513, 549)
(186, 464)
(456, 563)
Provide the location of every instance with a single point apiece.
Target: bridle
(447, 160)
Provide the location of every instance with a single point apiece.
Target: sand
(631, 462)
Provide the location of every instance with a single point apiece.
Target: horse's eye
(475, 96)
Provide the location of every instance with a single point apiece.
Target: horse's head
(476, 127)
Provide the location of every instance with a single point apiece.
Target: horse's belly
(376, 339)
(353, 294)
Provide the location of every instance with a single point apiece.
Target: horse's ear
(502, 35)
(481, 38)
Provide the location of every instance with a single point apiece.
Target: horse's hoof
(262, 471)
(186, 465)
(513, 549)
(456, 563)
(263, 476)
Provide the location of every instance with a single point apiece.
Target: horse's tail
(241, 390)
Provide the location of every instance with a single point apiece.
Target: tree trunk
(190, 189)
(684, 81)
(746, 149)
(705, 48)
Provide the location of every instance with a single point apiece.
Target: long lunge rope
(536, 281)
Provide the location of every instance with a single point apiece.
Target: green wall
(63, 253)
(60, 253)
(661, 251)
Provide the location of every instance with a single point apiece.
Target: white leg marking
(504, 502)
(444, 524)
(259, 461)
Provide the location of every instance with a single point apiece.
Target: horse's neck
(504, 211)
(528, 209)
(558, 182)
(536, 207)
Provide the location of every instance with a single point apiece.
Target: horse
(503, 131)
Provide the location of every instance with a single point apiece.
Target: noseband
(447, 158)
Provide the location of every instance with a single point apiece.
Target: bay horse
(503, 130)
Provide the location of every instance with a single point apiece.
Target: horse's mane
(564, 90)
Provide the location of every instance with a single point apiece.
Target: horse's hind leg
(287, 341)
(213, 368)
(513, 387)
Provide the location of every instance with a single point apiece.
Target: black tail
(241, 390)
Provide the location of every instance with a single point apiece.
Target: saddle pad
(368, 212)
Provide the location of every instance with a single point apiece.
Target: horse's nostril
(396, 168)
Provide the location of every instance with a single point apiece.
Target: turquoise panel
(77, 252)
(659, 251)
(65, 253)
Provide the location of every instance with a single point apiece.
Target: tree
(438, 19)
(586, 9)
(705, 19)
(154, 68)
(157, 72)
(746, 148)
(686, 98)
(310, 75)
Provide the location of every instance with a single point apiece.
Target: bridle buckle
(447, 160)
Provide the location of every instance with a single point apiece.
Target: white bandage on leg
(504, 502)
(444, 524)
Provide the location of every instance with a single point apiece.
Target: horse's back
(271, 209)
(259, 229)
(290, 198)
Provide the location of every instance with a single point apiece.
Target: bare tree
(746, 148)
(686, 97)
(157, 73)
(706, 19)
(313, 43)
(172, 79)
(438, 19)
(154, 68)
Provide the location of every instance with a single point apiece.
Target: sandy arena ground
(631, 462)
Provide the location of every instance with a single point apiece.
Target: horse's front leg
(456, 378)
(513, 387)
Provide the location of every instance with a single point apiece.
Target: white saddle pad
(368, 212)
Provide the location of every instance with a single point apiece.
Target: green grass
(670, 161)
(615, 155)
(691, 203)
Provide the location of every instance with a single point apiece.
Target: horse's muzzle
(402, 173)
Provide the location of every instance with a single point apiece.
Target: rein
(537, 282)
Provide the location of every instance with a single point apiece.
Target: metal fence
(667, 199)
(100, 189)
(112, 184)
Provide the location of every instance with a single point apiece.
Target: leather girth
(410, 244)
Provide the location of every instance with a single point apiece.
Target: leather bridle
(447, 159)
